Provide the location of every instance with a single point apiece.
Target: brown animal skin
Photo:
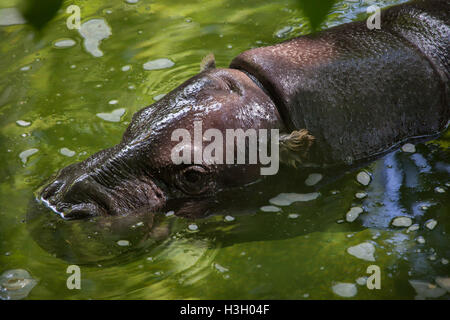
(361, 92)
(342, 95)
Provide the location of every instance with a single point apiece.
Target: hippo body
(340, 96)
(360, 92)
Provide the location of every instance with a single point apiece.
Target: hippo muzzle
(340, 96)
(102, 185)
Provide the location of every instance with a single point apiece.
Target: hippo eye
(193, 180)
(192, 176)
(232, 86)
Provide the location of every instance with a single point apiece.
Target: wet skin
(360, 93)
(139, 172)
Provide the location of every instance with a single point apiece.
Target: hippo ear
(297, 145)
(208, 62)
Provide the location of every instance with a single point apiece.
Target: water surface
(66, 94)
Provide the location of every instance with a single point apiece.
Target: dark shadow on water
(401, 182)
(100, 240)
(97, 240)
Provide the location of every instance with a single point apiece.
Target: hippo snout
(76, 197)
(90, 189)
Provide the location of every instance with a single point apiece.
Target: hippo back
(361, 92)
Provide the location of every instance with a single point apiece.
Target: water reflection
(295, 252)
(97, 240)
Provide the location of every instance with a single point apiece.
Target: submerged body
(340, 96)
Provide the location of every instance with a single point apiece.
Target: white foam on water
(353, 214)
(193, 227)
(220, 268)
(170, 213)
(286, 199)
(361, 281)
(413, 227)
(64, 43)
(360, 195)
(345, 290)
(426, 290)
(93, 32)
(23, 123)
(402, 222)
(229, 218)
(123, 243)
(420, 239)
(10, 17)
(364, 251)
(363, 178)
(313, 179)
(409, 148)
(439, 190)
(16, 284)
(113, 116)
(431, 224)
(24, 155)
(67, 152)
(158, 64)
(270, 209)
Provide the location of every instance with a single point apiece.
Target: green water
(256, 255)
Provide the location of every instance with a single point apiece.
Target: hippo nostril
(48, 193)
(81, 211)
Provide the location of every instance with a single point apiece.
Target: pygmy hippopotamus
(333, 98)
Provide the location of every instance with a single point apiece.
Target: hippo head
(140, 171)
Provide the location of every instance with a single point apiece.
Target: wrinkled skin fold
(357, 93)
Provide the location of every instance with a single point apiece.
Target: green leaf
(39, 12)
(316, 10)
